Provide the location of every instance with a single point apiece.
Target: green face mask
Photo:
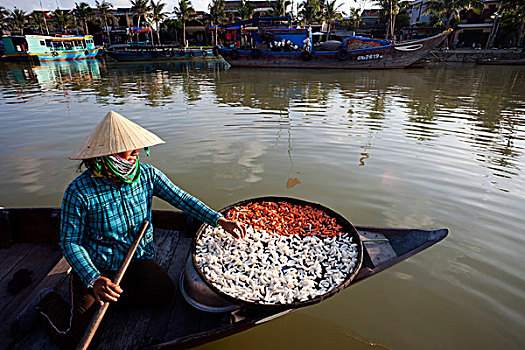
(116, 169)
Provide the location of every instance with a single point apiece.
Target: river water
(441, 146)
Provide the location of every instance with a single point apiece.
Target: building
(370, 25)
(472, 31)
(417, 12)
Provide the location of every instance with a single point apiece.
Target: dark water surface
(436, 147)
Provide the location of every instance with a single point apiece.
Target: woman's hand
(234, 228)
(105, 290)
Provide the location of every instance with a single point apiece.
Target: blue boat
(272, 42)
(43, 48)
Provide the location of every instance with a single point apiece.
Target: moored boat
(49, 48)
(129, 53)
(29, 236)
(273, 50)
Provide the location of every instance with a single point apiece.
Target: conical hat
(115, 134)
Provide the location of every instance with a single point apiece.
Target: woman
(102, 211)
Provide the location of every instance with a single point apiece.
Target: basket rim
(347, 227)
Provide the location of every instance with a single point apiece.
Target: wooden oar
(95, 322)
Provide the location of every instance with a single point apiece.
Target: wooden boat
(354, 52)
(29, 239)
(149, 53)
(43, 48)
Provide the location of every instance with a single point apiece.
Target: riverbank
(473, 55)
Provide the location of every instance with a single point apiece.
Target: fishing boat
(40, 48)
(196, 315)
(43, 48)
(294, 48)
(150, 53)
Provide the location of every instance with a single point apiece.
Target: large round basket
(346, 227)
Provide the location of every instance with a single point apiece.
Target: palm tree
(245, 11)
(141, 8)
(37, 19)
(158, 15)
(512, 14)
(217, 14)
(184, 12)
(85, 14)
(355, 18)
(18, 17)
(450, 9)
(104, 11)
(389, 10)
(310, 11)
(330, 13)
(279, 7)
(64, 19)
(4, 14)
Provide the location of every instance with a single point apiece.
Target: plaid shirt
(99, 220)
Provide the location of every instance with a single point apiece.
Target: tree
(38, 20)
(279, 7)
(19, 19)
(4, 14)
(217, 14)
(513, 18)
(141, 8)
(64, 19)
(310, 11)
(389, 10)
(184, 12)
(158, 15)
(329, 10)
(84, 14)
(354, 18)
(104, 11)
(245, 11)
(174, 26)
(450, 9)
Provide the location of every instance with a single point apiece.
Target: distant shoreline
(476, 55)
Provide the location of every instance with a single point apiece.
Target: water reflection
(480, 106)
(408, 148)
(73, 76)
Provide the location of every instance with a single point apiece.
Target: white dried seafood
(267, 268)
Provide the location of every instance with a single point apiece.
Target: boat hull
(381, 57)
(69, 56)
(53, 57)
(167, 55)
(29, 237)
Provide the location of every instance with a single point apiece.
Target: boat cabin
(35, 45)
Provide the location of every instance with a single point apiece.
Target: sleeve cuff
(219, 215)
(92, 281)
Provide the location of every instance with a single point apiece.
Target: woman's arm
(168, 191)
(72, 225)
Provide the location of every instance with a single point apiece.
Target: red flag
(47, 15)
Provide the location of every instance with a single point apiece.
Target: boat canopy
(135, 30)
(359, 42)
